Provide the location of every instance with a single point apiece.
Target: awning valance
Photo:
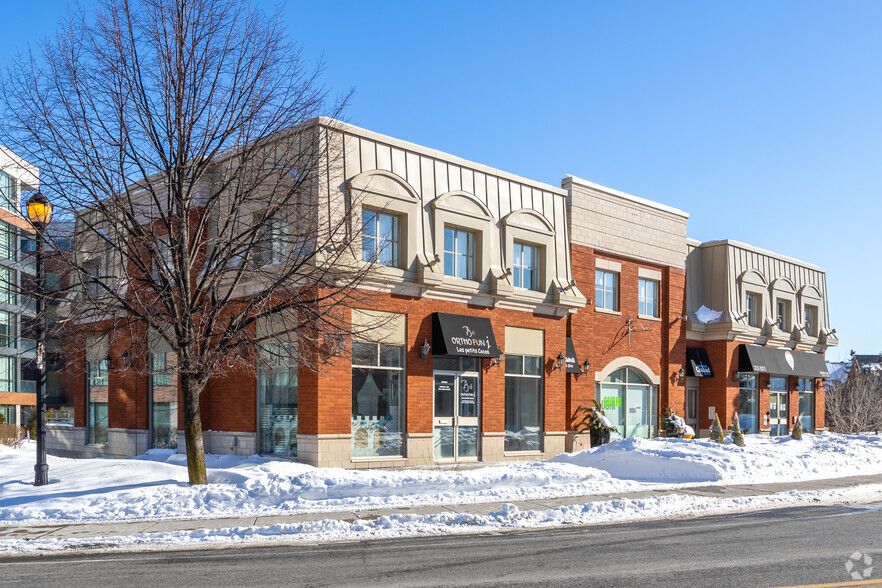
(783, 362)
(463, 336)
(573, 366)
(697, 363)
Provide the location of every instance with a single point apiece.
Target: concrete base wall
(577, 441)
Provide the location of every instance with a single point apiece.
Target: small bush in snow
(11, 436)
(797, 429)
(716, 430)
(737, 435)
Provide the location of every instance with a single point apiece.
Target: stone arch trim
(447, 201)
(382, 182)
(631, 362)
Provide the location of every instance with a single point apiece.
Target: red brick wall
(420, 401)
(721, 391)
(603, 337)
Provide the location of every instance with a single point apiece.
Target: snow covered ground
(154, 487)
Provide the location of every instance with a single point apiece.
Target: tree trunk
(190, 390)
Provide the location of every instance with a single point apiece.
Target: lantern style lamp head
(424, 350)
(585, 365)
(39, 210)
(559, 363)
(681, 375)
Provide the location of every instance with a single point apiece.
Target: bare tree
(855, 404)
(182, 136)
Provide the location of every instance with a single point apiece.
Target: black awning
(784, 362)
(463, 336)
(697, 363)
(573, 366)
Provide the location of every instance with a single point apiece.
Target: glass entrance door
(778, 406)
(457, 398)
(778, 413)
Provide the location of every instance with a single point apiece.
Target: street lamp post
(40, 213)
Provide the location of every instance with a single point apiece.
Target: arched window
(628, 399)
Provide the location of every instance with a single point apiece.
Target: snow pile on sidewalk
(154, 486)
(763, 459)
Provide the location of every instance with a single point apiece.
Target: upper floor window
(93, 269)
(526, 266)
(647, 298)
(783, 318)
(606, 290)
(7, 329)
(811, 320)
(381, 238)
(7, 193)
(752, 305)
(8, 242)
(8, 287)
(459, 253)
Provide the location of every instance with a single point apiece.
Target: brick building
(492, 336)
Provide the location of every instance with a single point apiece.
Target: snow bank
(763, 459)
(154, 485)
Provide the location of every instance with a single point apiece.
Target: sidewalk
(123, 528)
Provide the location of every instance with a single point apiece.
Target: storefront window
(748, 404)
(164, 401)
(277, 404)
(377, 399)
(806, 403)
(523, 403)
(629, 402)
(96, 401)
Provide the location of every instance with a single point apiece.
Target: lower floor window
(164, 401)
(629, 401)
(377, 399)
(748, 405)
(7, 414)
(523, 403)
(96, 401)
(277, 411)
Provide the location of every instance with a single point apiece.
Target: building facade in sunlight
(507, 304)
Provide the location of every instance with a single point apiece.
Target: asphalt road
(798, 546)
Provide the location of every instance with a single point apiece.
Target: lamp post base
(41, 474)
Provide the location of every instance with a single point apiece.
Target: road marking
(853, 583)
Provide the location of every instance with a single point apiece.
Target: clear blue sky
(763, 120)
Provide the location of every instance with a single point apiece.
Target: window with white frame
(93, 272)
(811, 320)
(525, 266)
(8, 242)
(783, 317)
(752, 305)
(8, 374)
(606, 290)
(459, 253)
(523, 403)
(7, 329)
(8, 200)
(377, 399)
(647, 298)
(380, 238)
(8, 287)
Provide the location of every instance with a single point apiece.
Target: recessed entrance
(778, 406)
(457, 391)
